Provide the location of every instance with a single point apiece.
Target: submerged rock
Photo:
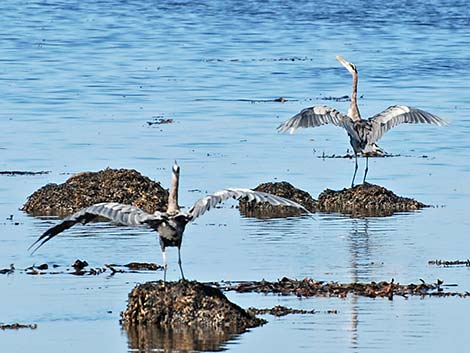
(361, 200)
(84, 189)
(283, 189)
(185, 304)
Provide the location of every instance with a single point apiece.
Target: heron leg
(367, 169)
(179, 263)
(355, 170)
(164, 264)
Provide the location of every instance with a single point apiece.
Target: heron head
(176, 169)
(349, 66)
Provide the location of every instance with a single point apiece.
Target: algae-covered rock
(359, 201)
(84, 189)
(185, 304)
(366, 200)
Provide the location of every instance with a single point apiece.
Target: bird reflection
(359, 267)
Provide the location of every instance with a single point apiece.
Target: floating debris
(21, 172)
(283, 189)
(337, 99)
(78, 268)
(309, 288)
(280, 310)
(84, 189)
(183, 304)
(159, 120)
(359, 201)
(143, 266)
(449, 263)
(17, 326)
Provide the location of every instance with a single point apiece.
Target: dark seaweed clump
(185, 304)
(310, 288)
(84, 189)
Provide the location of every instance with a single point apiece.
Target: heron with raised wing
(170, 225)
(363, 133)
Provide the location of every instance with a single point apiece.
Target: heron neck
(353, 111)
(173, 196)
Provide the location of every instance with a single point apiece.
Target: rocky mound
(361, 200)
(283, 189)
(84, 189)
(366, 200)
(184, 304)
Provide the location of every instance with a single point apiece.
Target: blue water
(80, 79)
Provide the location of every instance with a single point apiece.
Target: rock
(283, 189)
(359, 201)
(84, 189)
(185, 304)
(366, 200)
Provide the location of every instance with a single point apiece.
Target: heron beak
(346, 64)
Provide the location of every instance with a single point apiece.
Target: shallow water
(80, 80)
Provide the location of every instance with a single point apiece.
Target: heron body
(169, 225)
(363, 133)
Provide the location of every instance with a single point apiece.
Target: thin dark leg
(179, 263)
(367, 169)
(355, 171)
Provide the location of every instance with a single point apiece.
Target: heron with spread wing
(363, 133)
(169, 225)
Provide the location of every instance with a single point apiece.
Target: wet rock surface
(359, 201)
(184, 304)
(309, 288)
(84, 189)
(283, 189)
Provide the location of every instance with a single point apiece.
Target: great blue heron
(170, 225)
(363, 134)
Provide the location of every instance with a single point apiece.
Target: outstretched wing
(312, 117)
(206, 203)
(119, 213)
(399, 114)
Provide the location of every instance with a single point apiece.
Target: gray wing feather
(206, 203)
(313, 117)
(399, 114)
(119, 213)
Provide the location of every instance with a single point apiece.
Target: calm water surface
(79, 81)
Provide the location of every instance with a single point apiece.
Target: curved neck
(353, 111)
(173, 196)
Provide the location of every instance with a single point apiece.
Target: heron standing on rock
(363, 134)
(169, 225)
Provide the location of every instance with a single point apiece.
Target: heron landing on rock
(363, 133)
(170, 225)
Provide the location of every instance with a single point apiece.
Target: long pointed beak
(346, 64)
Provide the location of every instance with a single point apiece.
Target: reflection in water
(360, 252)
(152, 338)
